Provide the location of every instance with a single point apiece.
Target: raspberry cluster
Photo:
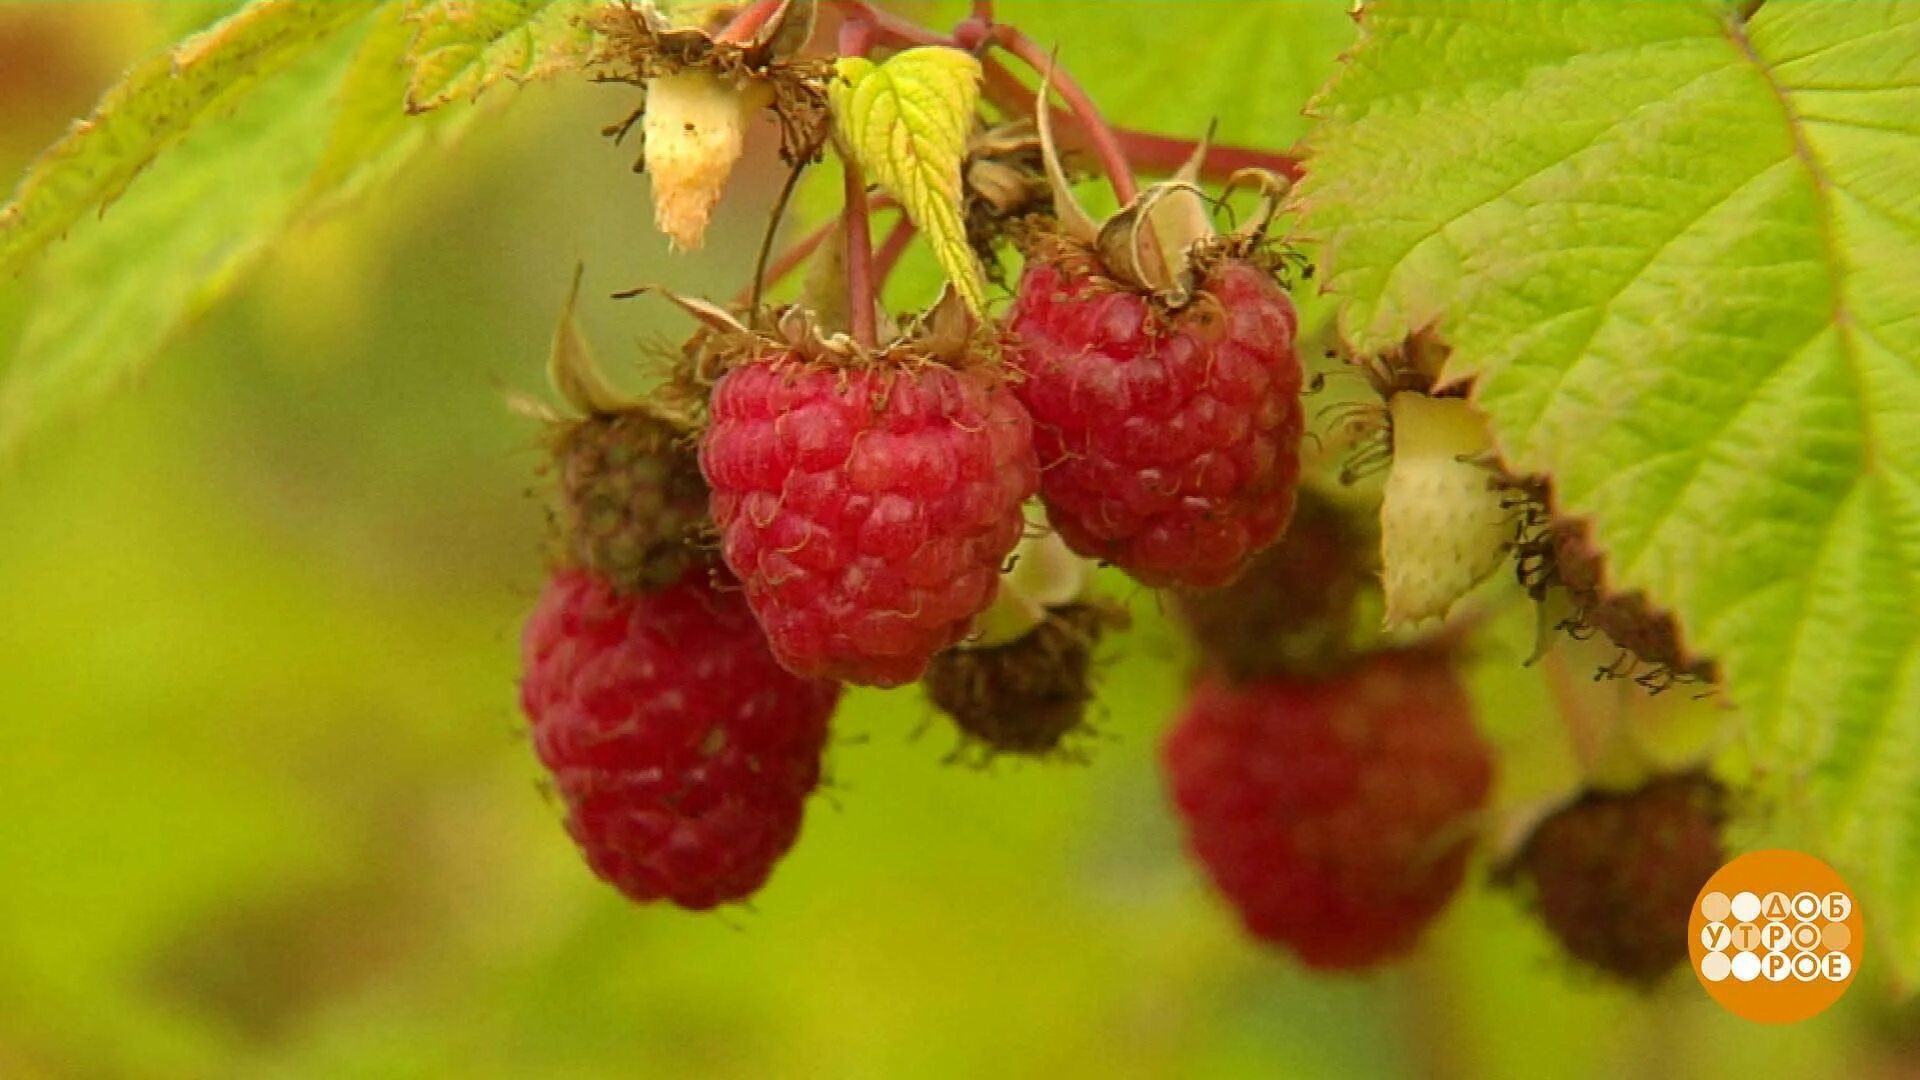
(825, 491)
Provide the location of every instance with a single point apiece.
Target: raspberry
(1446, 521)
(1169, 443)
(1336, 815)
(867, 508)
(630, 499)
(1026, 696)
(1615, 874)
(1294, 612)
(683, 751)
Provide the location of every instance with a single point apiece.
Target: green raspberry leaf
(906, 123)
(465, 46)
(1676, 250)
(153, 108)
(299, 143)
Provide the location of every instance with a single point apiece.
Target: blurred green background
(265, 807)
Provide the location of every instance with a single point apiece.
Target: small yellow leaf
(906, 123)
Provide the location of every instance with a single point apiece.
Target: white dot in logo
(1746, 966)
(1806, 906)
(1716, 907)
(1715, 967)
(1746, 906)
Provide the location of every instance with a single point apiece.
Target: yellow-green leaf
(154, 107)
(465, 46)
(906, 123)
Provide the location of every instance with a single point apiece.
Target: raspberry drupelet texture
(1168, 444)
(867, 509)
(683, 752)
(1335, 815)
(629, 502)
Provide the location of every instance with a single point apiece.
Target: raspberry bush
(1618, 295)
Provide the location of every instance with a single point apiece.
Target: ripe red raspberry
(683, 751)
(1336, 815)
(1169, 444)
(867, 508)
(1615, 874)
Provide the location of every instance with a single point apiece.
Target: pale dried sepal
(571, 368)
(695, 129)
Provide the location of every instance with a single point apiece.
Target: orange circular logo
(1775, 936)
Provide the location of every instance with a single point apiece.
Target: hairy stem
(860, 295)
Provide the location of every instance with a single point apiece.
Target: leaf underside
(201, 159)
(1679, 254)
(152, 109)
(465, 46)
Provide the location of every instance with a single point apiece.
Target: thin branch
(886, 29)
(1113, 158)
(748, 21)
(759, 286)
(796, 256)
(1158, 155)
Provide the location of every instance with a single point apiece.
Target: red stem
(1106, 146)
(856, 36)
(859, 258)
(1155, 154)
(885, 28)
(796, 256)
(748, 21)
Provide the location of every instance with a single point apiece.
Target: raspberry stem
(1156, 154)
(1159, 154)
(881, 28)
(859, 256)
(748, 21)
(795, 256)
(1105, 142)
